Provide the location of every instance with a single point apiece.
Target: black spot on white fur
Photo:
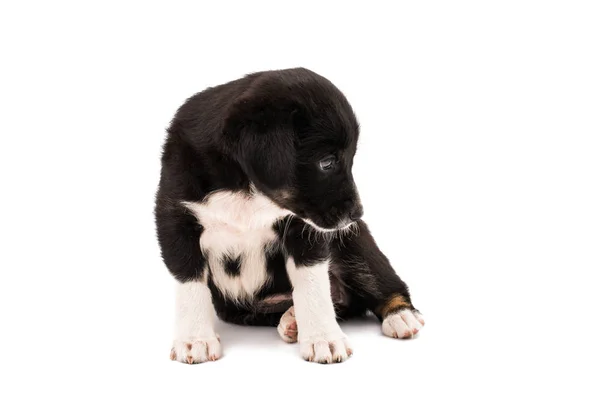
(232, 265)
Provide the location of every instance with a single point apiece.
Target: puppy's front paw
(198, 350)
(403, 324)
(326, 350)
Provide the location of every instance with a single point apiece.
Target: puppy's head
(295, 135)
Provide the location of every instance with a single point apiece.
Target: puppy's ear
(260, 134)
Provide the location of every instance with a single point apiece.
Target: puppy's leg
(195, 338)
(179, 238)
(368, 273)
(321, 338)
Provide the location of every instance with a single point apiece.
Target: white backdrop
(486, 114)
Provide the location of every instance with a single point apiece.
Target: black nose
(356, 213)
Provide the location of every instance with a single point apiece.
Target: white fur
(342, 226)
(195, 337)
(403, 324)
(320, 336)
(236, 211)
(237, 224)
(286, 326)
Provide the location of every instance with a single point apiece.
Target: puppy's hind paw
(403, 324)
(288, 328)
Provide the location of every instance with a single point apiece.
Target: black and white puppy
(258, 218)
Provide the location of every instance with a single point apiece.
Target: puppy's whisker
(287, 227)
(355, 228)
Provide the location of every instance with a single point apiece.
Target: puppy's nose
(356, 213)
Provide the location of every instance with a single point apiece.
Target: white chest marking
(237, 225)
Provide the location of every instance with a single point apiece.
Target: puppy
(258, 218)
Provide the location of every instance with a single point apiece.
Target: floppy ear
(260, 134)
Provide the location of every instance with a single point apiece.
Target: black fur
(279, 282)
(232, 265)
(272, 129)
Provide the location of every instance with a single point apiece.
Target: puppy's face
(296, 139)
(322, 191)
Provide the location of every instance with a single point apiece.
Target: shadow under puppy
(258, 218)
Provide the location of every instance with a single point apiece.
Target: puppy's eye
(327, 163)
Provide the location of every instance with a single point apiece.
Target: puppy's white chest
(238, 229)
